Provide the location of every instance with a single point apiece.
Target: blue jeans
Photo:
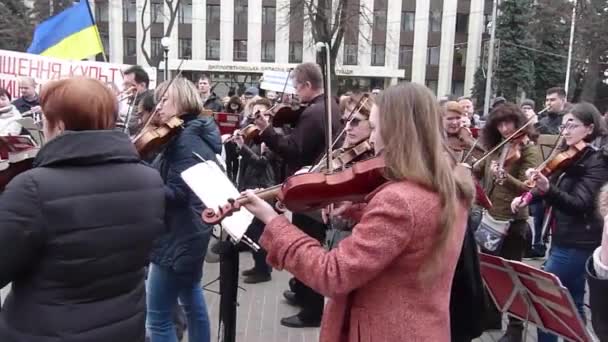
(537, 210)
(164, 287)
(568, 264)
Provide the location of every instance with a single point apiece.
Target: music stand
(213, 187)
(532, 295)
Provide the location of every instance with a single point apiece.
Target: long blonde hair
(410, 119)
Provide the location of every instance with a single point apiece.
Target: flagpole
(103, 51)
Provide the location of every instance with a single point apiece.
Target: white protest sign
(278, 81)
(17, 64)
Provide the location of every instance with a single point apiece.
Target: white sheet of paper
(214, 189)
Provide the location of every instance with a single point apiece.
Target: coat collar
(87, 148)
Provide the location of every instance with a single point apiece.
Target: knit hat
(527, 102)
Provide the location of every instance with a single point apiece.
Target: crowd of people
(101, 241)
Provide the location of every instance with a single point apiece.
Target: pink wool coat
(372, 277)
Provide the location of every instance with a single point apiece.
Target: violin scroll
(213, 217)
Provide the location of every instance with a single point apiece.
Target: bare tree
(173, 6)
(328, 22)
(16, 25)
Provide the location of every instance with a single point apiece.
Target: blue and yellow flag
(71, 34)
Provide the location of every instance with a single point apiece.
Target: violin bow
(362, 101)
(502, 143)
(179, 73)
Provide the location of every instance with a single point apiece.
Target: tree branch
(144, 36)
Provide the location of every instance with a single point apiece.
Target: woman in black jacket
(577, 227)
(177, 258)
(76, 230)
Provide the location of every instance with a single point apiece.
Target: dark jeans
(513, 248)
(568, 264)
(232, 161)
(254, 232)
(537, 210)
(312, 302)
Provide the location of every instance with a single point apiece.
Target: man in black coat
(556, 101)
(210, 100)
(29, 100)
(304, 146)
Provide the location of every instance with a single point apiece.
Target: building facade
(435, 42)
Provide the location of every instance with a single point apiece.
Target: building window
(295, 52)
(268, 15)
(130, 46)
(213, 49)
(487, 18)
(129, 11)
(213, 14)
(350, 54)
(407, 21)
(239, 50)
(185, 48)
(157, 48)
(101, 11)
(105, 41)
(462, 22)
(240, 14)
(267, 50)
(185, 12)
(432, 85)
(435, 21)
(433, 56)
(156, 12)
(406, 53)
(378, 55)
(380, 20)
(460, 56)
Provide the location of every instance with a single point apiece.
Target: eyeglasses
(354, 122)
(569, 127)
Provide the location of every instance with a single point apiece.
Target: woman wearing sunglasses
(575, 224)
(355, 118)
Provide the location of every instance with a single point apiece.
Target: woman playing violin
(460, 139)
(571, 192)
(358, 130)
(177, 259)
(391, 278)
(504, 182)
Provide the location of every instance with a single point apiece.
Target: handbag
(491, 232)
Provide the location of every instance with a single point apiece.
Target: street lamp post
(165, 43)
(572, 25)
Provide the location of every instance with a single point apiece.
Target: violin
(559, 161)
(312, 191)
(249, 133)
(510, 153)
(315, 190)
(17, 154)
(465, 144)
(286, 114)
(152, 137)
(344, 156)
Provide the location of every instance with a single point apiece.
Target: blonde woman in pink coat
(390, 280)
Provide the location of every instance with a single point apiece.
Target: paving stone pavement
(261, 306)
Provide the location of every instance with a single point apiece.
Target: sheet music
(214, 189)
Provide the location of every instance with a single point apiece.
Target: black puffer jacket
(75, 235)
(578, 225)
(256, 168)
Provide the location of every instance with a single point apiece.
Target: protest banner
(43, 69)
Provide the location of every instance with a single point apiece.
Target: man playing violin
(303, 146)
(135, 84)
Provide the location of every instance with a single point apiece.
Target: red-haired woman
(77, 229)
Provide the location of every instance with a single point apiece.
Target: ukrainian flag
(71, 34)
